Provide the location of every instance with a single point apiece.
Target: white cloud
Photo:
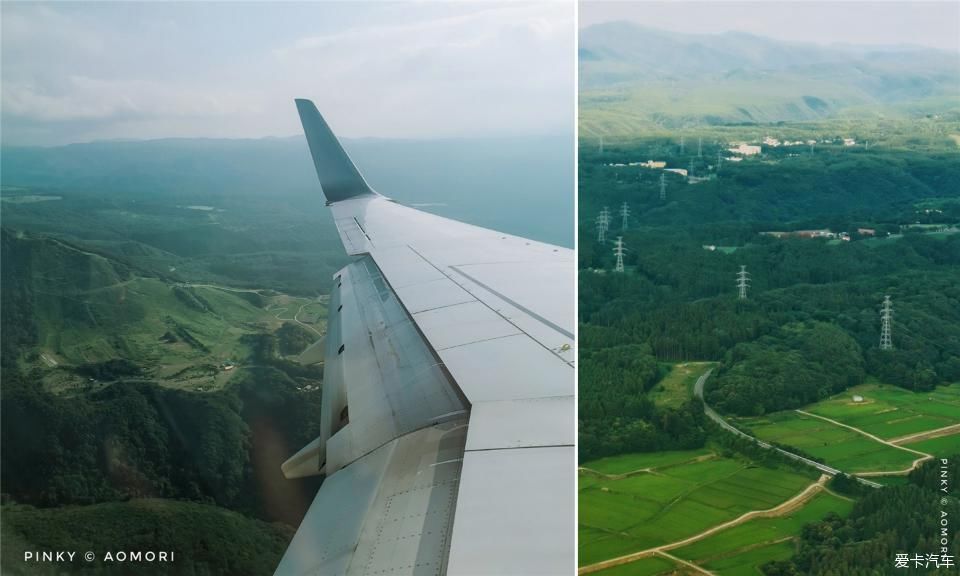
(179, 70)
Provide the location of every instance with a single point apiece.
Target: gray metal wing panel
(516, 513)
(388, 513)
(328, 535)
(527, 423)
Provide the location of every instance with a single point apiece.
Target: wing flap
(389, 512)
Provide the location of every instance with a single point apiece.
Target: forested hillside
(897, 520)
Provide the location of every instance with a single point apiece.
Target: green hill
(641, 80)
(76, 310)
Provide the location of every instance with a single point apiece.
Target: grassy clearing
(890, 411)
(652, 566)
(677, 386)
(678, 500)
(837, 446)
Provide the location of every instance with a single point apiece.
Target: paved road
(698, 392)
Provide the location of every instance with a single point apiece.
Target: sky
(887, 23)
(77, 72)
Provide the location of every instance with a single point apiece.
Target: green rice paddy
(682, 496)
(839, 447)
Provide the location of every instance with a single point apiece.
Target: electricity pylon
(625, 215)
(618, 249)
(601, 229)
(743, 282)
(603, 224)
(663, 186)
(886, 321)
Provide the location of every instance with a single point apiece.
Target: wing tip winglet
(339, 177)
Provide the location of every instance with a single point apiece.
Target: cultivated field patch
(743, 549)
(839, 447)
(651, 566)
(684, 497)
(890, 411)
(938, 447)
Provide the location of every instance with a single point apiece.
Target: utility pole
(690, 170)
(618, 249)
(663, 186)
(743, 282)
(886, 321)
(625, 214)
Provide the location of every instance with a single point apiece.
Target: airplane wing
(448, 423)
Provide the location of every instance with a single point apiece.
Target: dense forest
(810, 326)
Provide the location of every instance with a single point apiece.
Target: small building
(866, 232)
(653, 164)
(745, 149)
(849, 142)
(857, 398)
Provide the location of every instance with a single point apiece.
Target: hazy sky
(931, 24)
(86, 71)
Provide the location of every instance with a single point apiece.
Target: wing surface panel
(449, 378)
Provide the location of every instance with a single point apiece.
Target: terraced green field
(837, 446)
(626, 463)
(677, 386)
(890, 411)
(743, 549)
(682, 497)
